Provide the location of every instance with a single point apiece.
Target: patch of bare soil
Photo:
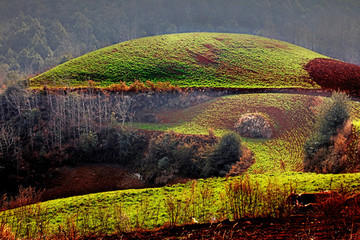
(71, 181)
(207, 58)
(335, 75)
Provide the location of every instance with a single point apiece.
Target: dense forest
(36, 35)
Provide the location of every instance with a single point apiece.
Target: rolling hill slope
(292, 116)
(190, 60)
(126, 210)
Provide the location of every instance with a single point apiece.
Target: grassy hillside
(126, 210)
(190, 60)
(292, 116)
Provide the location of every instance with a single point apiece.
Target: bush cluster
(172, 155)
(226, 153)
(330, 148)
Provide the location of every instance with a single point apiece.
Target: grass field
(190, 60)
(127, 210)
(292, 116)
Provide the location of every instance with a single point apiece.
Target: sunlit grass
(110, 212)
(292, 116)
(190, 60)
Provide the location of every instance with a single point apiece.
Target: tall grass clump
(246, 198)
(5, 232)
(25, 196)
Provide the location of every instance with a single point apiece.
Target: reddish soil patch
(274, 45)
(208, 46)
(231, 71)
(220, 39)
(87, 179)
(335, 75)
(205, 60)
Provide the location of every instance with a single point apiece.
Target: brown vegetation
(246, 160)
(332, 146)
(335, 75)
(25, 196)
(71, 181)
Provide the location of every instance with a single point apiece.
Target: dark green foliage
(331, 118)
(334, 114)
(131, 146)
(88, 142)
(171, 155)
(226, 153)
(124, 146)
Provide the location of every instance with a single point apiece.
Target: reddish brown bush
(335, 75)
(243, 164)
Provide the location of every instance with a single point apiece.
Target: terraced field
(190, 60)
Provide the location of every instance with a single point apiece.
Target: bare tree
(7, 138)
(123, 108)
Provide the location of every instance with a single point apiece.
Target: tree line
(41, 131)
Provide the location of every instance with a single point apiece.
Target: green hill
(190, 60)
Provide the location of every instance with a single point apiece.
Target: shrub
(5, 232)
(243, 164)
(25, 196)
(88, 142)
(118, 87)
(172, 155)
(167, 157)
(254, 126)
(323, 148)
(247, 198)
(131, 146)
(137, 86)
(226, 153)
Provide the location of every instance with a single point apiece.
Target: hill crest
(190, 60)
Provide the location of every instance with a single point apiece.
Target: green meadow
(189, 60)
(126, 210)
